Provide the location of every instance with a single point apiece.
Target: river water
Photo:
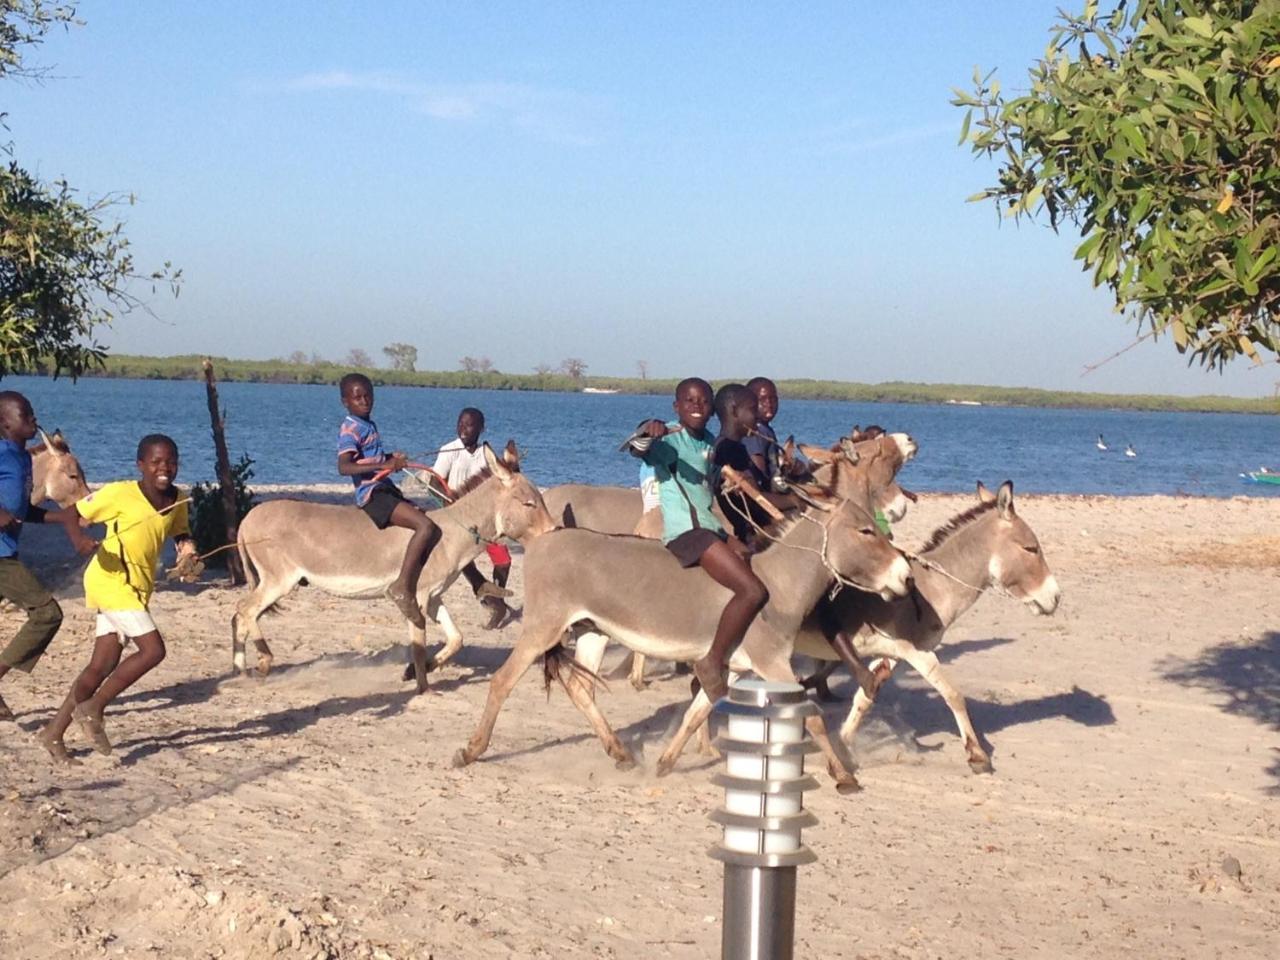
(290, 431)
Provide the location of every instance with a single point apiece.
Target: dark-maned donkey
(633, 591)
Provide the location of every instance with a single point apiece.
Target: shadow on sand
(910, 711)
(1246, 679)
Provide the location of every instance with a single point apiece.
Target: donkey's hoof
(980, 764)
(460, 759)
(665, 767)
(264, 666)
(640, 685)
(626, 763)
(847, 787)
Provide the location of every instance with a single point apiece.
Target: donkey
(988, 547)
(336, 549)
(55, 472)
(862, 470)
(635, 592)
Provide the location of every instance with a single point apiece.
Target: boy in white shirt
(459, 461)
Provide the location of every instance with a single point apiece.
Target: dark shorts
(382, 503)
(691, 545)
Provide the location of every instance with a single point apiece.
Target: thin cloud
(890, 138)
(554, 115)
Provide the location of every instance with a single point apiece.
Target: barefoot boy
(459, 461)
(17, 583)
(361, 457)
(680, 454)
(140, 515)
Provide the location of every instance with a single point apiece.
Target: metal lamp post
(763, 815)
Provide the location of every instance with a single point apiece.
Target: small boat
(598, 390)
(1100, 445)
(1129, 451)
(1261, 476)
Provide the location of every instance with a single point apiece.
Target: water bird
(1129, 451)
(1100, 445)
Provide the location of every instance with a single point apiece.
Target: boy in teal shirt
(680, 454)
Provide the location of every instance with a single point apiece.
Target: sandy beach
(1134, 808)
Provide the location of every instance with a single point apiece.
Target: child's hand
(7, 519)
(654, 428)
(397, 461)
(85, 546)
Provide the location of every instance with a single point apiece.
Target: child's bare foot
(407, 605)
(57, 749)
(5, 712)
(92, 727)
(487, 590)
(712, 676)
(498, 611)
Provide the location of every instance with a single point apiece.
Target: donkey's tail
(555, 660)
(250, 571)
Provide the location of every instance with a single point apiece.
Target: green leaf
(964, 127)
(1160, 76)
(1084, 251)
(1199, 25)
(1261, 263)
(1133, 135)
(1190, 79)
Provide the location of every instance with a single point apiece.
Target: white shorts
(125, 623)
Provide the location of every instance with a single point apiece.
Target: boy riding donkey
(361, 457)
(681, 454)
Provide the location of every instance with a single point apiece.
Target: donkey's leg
(926, 664)
(774, 665)
(452, 635)
(244, 625)
(581, 689)
(533, 643)
(694, 717)
(865, 697)
(637, 672)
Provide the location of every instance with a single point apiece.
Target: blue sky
(714, 189)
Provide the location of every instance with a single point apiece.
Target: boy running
(17, 583)
(680, 454)
(140, 515)
(459, 461)
(361, 457)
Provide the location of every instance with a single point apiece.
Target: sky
(713, 189)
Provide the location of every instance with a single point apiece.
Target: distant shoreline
(123, 366)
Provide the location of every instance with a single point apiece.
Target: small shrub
(208, 517)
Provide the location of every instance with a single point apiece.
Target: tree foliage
(65, 269)
(402, 356)
(1151, 129)
(573, 367)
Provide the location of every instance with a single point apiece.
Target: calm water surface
(290, 431)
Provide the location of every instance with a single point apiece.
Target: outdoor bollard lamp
(763, 814)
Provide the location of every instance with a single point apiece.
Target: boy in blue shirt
(762, 442)
(361, 457)
(680, 454)
(17, 583)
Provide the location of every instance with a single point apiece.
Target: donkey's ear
(59, 441)
(511, 455)
(985, 495)
(849, 450)
(816, 454)
(46, 440)
(496, 466)
(787, 453)
(1004, 500)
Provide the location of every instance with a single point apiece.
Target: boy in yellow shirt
(139, 515)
